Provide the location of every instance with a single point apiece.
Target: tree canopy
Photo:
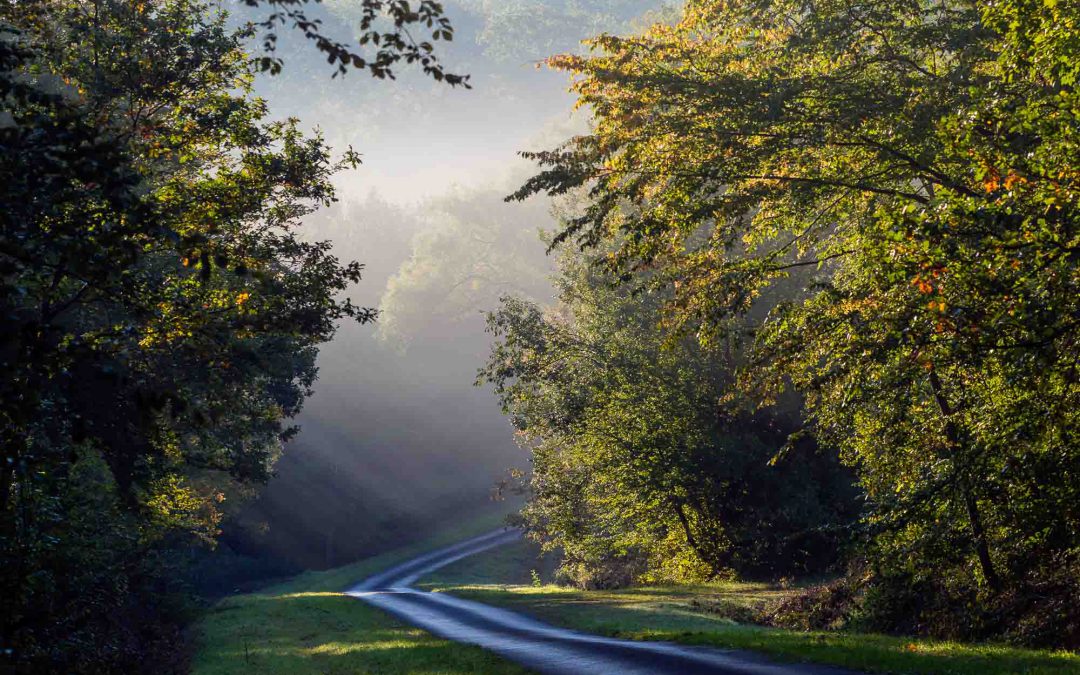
(644, 467)
(161, 312)
(917, 159)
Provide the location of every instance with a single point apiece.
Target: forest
(794, 295)
(822, 243)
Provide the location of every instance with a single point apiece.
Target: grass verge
(306, 625)
(701, 615)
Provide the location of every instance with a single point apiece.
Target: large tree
(160, 312)
(920, 158)
(646, 462)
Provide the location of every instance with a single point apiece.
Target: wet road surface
(540, 646)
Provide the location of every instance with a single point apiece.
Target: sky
(397, 439)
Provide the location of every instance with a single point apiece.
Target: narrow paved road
(540, 646)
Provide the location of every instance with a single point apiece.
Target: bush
(1039, 609)
(824, 607)
(727, 609)
(605, 570)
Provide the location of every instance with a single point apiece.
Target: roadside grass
(307, 625)
(702, 615)
(509, 565)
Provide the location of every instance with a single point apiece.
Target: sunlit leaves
(646, 465)
(903, 176)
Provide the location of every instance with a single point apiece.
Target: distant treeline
(819, 311)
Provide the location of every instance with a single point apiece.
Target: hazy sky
(420, 138)
(396, 434)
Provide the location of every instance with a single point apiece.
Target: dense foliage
(919, 159)
(639, 472)
(159, 314)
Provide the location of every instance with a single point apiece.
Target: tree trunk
(982, 546)
(692, 540)
(685, 525)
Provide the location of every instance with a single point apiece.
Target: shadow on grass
(881, 653)
(659, 614)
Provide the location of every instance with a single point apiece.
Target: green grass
(699, 614)
(512, 564)
(306, 625)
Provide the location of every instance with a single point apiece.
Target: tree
(161, 313)
(646, 463)
(917, 157)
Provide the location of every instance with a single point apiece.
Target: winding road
(539, 646)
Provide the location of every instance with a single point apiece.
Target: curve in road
(540, 646)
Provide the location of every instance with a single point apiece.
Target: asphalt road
(540, 646)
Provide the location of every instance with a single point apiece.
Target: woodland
(816, 309)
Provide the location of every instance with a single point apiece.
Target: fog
(396, 439)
